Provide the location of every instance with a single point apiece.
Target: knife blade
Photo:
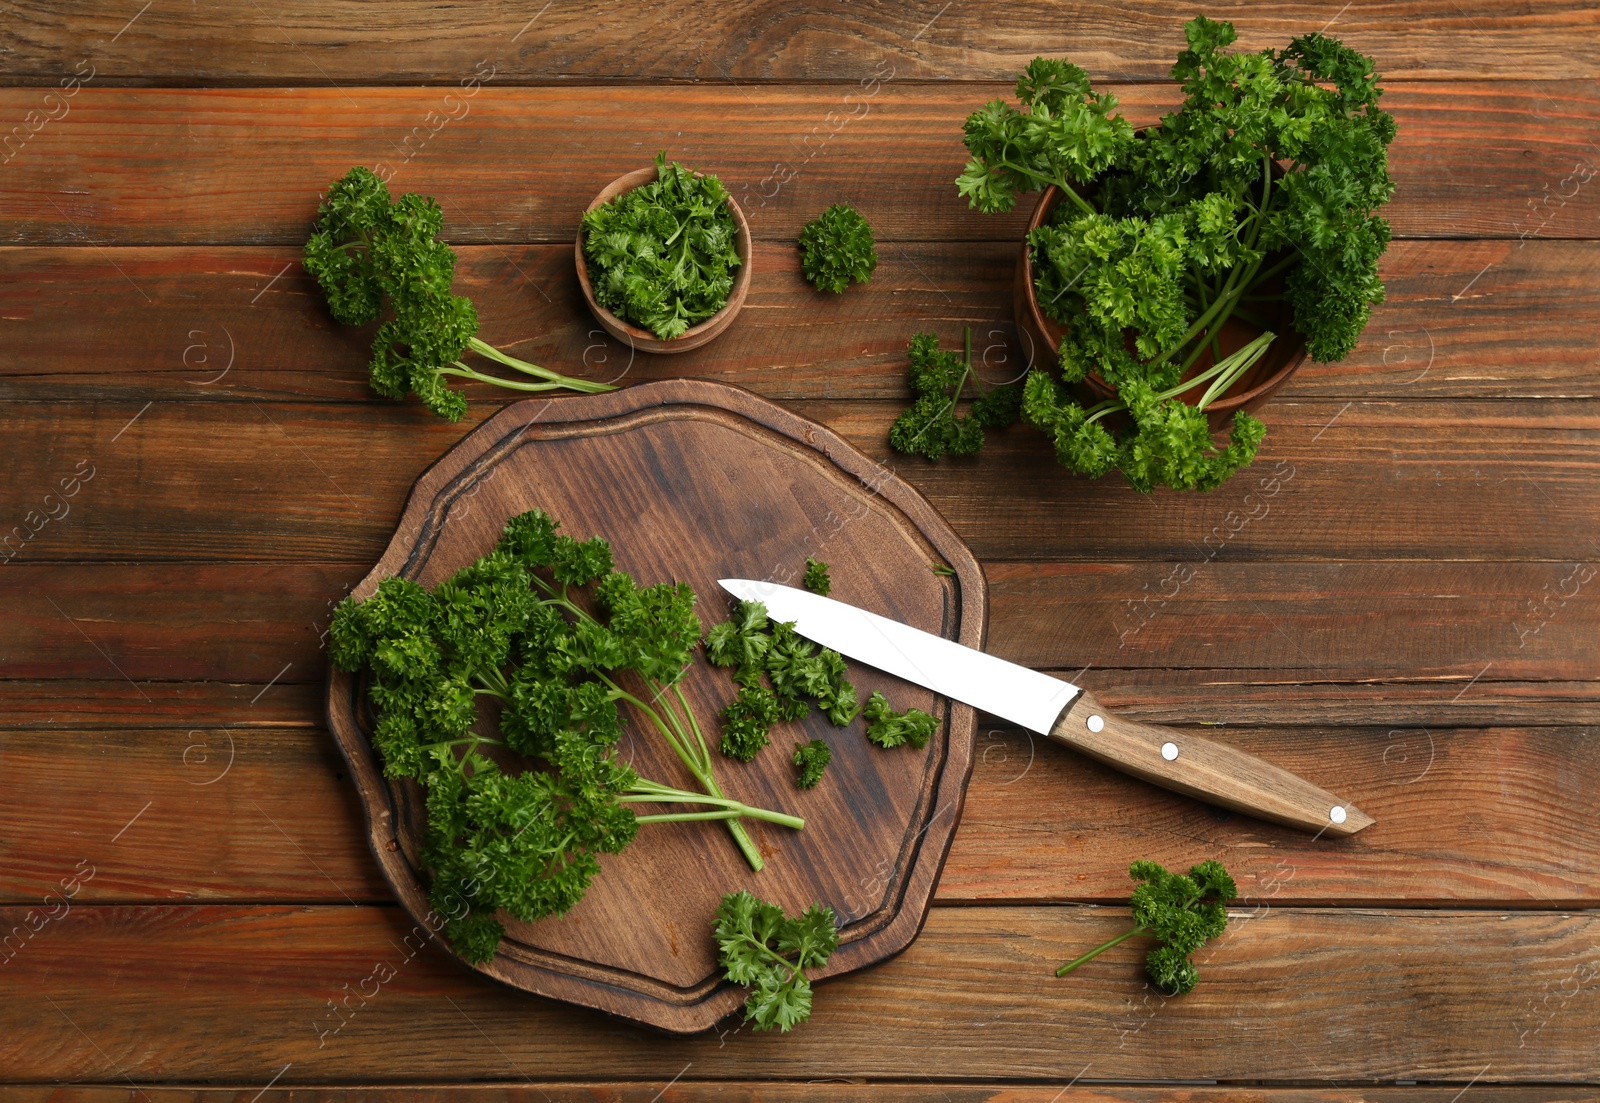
(1187, 763)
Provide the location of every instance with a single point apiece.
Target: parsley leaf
(661, 255)
(768, 952)
(1182, 913)
(795, 669)
(810, 759)
(837, 247)
(888, 728)
(366, 253)
(816, 578)
(931, 427)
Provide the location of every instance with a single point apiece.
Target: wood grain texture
(1483, 815)
(683, 1090)
(242, 166)
(236, 993)
(635, 467)
(192, 322)
(1450, 480)
(253, 624)
(408, 42)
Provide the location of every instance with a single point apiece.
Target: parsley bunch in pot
(663, 258)
(1183, 271)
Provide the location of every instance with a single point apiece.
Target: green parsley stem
(686, 817)
(771, 954)
(1097, 951)
(734, 810)
(1242, 361)
(699, 736)
(483, 348)
(465, 372)
(1060, 182)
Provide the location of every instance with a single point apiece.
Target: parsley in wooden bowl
(663, 257)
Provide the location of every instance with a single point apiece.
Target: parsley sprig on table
(796, 670)
(368, 253)
(511, 627)
(769, 952)
(1181, 912)
(662, 255)
(837, 247)
(1270, 173)
(931, 427)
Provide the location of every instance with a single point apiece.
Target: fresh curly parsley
(931, 427)
(511, 627)
(816, 577)
(1181, 912)
(367, 253)
(810, 759)
(768, 952)
(662, 255)
(1273, 169)
(888, 728)
(837, 247)
(795, 669)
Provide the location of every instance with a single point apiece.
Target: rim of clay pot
(696, 335)
(1288, 350)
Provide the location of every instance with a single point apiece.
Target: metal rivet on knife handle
(1212, 771)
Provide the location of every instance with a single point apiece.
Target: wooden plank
(244, 166)
(1343, 619)
(243, 994)
(352, 44)
(1468, 480)
(144, 622)
(1466, 815)
(1406, 621)
(228, 813)
(684, 1090)
(27, 703)
(246, 322)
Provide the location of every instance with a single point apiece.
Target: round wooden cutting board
(694, 481)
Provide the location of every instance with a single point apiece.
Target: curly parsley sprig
(810, 760)
(510, 627)
(764, 949)
(836, 247)
(931, 427)
(1181, 912)
(368, 253)
(797, 671)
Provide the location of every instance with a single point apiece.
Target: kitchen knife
(1199, 767)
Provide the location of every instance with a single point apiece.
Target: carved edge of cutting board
(644, 999)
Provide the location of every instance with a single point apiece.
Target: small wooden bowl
(643, 339)
(1286, 353)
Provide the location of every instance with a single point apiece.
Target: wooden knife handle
(1206, 769)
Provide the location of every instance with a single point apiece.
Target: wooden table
(1409, 617)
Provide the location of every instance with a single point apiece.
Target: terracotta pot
(1283, 356)
(694, 336)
